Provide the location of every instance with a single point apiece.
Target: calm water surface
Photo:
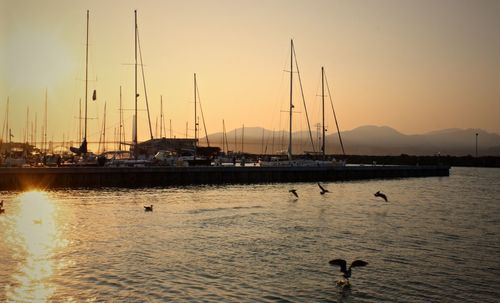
(436, 240)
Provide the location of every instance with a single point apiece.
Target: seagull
(148, 208)
(347, 271)
(294, 192)
(323, 190)
(381, 195)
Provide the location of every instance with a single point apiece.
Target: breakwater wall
(92, 177)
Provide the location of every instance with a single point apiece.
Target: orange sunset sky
(416, 66)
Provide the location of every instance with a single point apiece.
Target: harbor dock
(155, 176)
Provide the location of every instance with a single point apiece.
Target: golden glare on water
(35, 237)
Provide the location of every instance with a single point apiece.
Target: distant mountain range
(366, 140)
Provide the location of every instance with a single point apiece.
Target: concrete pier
(92, 177)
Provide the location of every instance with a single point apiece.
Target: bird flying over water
(148, 208)
(343, 266)
(294, 192)
(381, 195)
(323, 190)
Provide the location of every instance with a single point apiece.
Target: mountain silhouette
(367, 140)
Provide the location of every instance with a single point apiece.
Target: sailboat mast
(7, 129)
(104, 130)
(86, 77)
(121, 122)
(195, 122)
(27, 124)
(45, 123)
(135, 109)
(323, 110)
(161, 117)
(242, 138)
(223, 134)
(291, 102)
(80, 120)
(34, 135)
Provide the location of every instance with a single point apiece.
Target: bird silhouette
(148, 208)
(343, 267)
(323, 190)
(381, 195)
(294, 192)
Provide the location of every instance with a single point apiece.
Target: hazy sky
(416, 66)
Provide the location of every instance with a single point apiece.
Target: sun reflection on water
(36, 238)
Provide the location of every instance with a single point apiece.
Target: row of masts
(121, 135)
(323, 126)
(7, 131)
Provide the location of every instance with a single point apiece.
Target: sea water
(437, 239)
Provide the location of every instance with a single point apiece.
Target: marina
(249, 151)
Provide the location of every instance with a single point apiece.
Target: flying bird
(343, 267)
(148, 208)
(381, 195)
(323, 190)
(294, 192)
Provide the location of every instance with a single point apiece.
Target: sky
(416, 66)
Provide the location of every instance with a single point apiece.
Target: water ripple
(435, 241)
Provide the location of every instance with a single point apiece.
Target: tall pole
(27, 124)
(45, 123)
(86, 78)
(80, 120)
(104, 130)
(34, 135)
(291, 102)
(323, 110)
(136, 152)
(243, 138)
(272, 144)
(7, 129)
(161, 117)
(476, 144)
(5, 126)
(225, 136)
(262, 143)
(121, 122)
(195, 120)
(223, 133)
(235, 144)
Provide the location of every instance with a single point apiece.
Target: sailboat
(291, 161)
(82, 150)
(200, 153)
